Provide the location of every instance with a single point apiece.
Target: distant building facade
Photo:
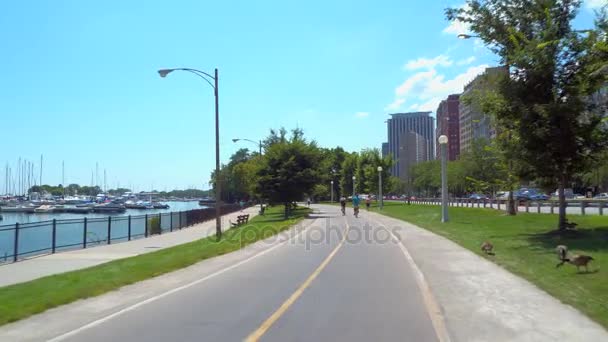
(413, 149)
(405, 148)
(448, 124)
(474, 124)
(384, 149)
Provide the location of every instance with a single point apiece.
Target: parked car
(478, 197)
(603, 195)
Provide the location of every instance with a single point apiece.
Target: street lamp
(332, 191)
(467, 36)
(354, 185)
(259, 143)
(218, 183)
(380, 187)
(443, 142)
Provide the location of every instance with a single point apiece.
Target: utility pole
(96, 173)
(105, 188)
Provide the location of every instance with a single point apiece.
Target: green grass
(22, 300)
(522, 246)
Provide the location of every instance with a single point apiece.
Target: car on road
(603, 195)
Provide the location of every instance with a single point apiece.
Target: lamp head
(443, 139)
(379, 168)
(235, 140)
(165, 72)
(464, 36)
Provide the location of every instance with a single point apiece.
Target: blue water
(35, 230)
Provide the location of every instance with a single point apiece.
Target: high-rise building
(413, 149)
(474, 124)
(384, 149)
(399, 126)
(448, 124)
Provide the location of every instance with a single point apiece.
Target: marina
(29, 214)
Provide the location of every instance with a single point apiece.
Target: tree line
(75, 189)
(293, 168)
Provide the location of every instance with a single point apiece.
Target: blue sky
(79, 81)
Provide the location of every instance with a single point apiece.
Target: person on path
(356, 203)
(343, 205)
(368, 202)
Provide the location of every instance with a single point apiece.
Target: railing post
(601, 208)
(54, 238)
(129, 229)
(484, 203)
(146, 226)
(171, 222)
(479, 204)
(498, 204)
(84, 234)
(160, 224)
(109, 229)
(538, 206)
(491, 203)
(527, 206)
(582, 207)
(552, 207)
(180, 219)
(16, 246)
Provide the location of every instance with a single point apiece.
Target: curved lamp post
(443, 142)
(218, 183)
(380, 187)
(354, 185)
(259, 143)
(332, 191)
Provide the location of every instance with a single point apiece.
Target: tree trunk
(287, 205)
(562, 204)
(511, 204)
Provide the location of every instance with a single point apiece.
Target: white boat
(45, 209)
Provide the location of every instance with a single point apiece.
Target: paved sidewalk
(37, 267)
(481, 301)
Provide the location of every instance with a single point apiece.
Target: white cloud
(457, 27)
(395, 104)
(428, 63)
(466, 61)
(595, 4)
(424, 90)
(362, 114)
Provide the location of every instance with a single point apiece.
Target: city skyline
(80, 83)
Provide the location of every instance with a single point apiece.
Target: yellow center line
(259, 332)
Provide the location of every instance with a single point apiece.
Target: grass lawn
(523, 247)
(22, 300)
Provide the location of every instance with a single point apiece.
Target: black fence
(23, 240)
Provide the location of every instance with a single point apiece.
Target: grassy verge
(522, 246)
(22, 300)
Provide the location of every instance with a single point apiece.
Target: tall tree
(288, 171)
(553, 71)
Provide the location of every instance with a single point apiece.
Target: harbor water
(36, 229)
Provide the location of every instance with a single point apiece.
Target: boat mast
(41, 170)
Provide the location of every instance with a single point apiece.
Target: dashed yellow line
(259, 332)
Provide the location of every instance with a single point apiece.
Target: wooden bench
(240, 220)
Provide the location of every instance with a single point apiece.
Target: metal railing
(22, 240)
(581, 206)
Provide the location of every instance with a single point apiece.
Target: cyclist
(356, 202)
(343, 205)
(368, 202)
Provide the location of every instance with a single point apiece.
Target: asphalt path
(342, 279)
